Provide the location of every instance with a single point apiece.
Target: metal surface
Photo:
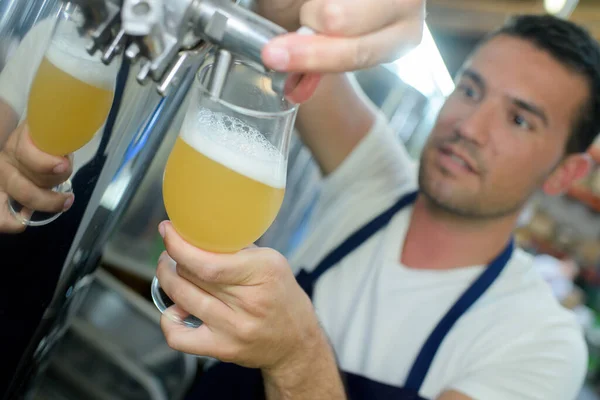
(159, 33)
(120, 331)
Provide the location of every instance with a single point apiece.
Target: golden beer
(222, 193)
(69, 101)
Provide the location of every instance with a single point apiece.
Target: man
(420, 294)
(505, 132)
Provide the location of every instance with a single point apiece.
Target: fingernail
(277, 57)
(166, 258)
(305, 30)
(69, 202)
(60, 168)
(162, 229)
(163, 257)
(171, 314)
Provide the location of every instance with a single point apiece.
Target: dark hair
(575, 48)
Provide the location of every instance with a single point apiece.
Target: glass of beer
(224, 181)
(69, 101)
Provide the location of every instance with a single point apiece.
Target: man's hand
(254, 315)
(353, 34)
(27, 175)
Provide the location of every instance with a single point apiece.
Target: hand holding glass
(70, 98)
(224, 180)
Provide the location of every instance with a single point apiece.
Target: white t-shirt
(516, 342)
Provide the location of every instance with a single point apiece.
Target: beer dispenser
(47, 269)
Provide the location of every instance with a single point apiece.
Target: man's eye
(521, 122)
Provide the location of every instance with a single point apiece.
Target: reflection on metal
(120, 331)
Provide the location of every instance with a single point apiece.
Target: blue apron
(229, 381)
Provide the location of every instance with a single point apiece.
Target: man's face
(503, 131)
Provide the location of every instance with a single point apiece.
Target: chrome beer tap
(164, 36)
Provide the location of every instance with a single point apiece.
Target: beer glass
(69, 101)
(225, 178)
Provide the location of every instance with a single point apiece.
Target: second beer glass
(70, 98)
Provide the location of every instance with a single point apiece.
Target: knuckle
(228, 353)
(273, 258)
(248, 330)
(209, 273)
(18, 189)
(179, 295)
(259, 306)
(170, 244)
(171, 336)
(363, 55)
(160, 271)
(275, 262)
(22, 155)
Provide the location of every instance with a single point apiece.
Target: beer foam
(67, 52)
(236, 145)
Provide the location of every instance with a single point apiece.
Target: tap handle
(177, 72)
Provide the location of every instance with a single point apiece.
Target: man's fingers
(303, 89)
(355, 17)
(320, 53)
(204, 266)
(43, 169)
(190, 297)
(31, 196)
(247, 267)
(8, 223)
(198, 341)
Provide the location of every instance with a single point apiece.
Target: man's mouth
(459, 158)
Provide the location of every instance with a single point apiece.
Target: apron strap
(423, 362)
(307, 279)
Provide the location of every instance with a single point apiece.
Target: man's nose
(477, 122)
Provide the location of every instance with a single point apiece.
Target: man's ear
(571, 169)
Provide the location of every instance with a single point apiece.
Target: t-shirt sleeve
(18, 73)
(379, 164)
(549, 366)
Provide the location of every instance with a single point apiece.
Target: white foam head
(236, 145)
(67, 52)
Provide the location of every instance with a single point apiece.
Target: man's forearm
(334, 120)
(8, 121)
(313, 376)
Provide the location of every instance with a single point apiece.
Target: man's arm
(335, 120)
(254, 314)
(8, 121)
(315, 376)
